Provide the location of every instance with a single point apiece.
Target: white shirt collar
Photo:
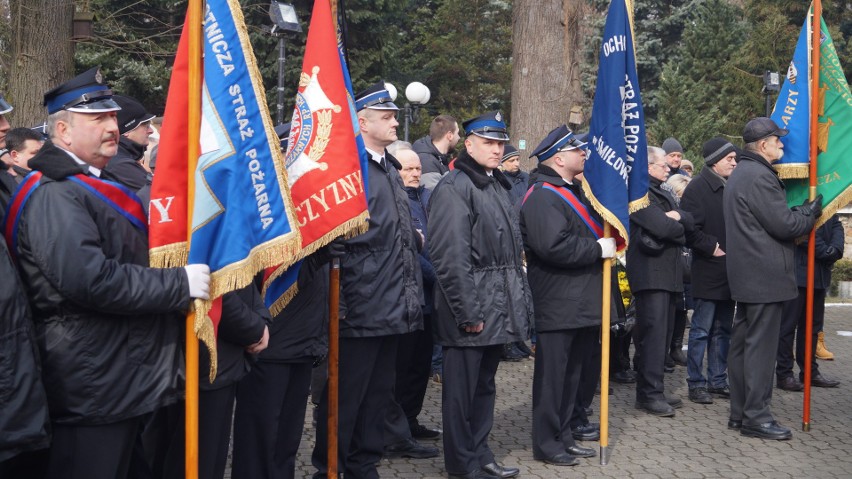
(91, 169)
(377, 157)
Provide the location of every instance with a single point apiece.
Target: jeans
(711, 333)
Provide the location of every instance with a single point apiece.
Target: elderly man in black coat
(760, 230)
(482, 299)
(656, 277)
(714, 310)
(565, 271)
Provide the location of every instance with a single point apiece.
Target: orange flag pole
(605, 325)
(193, 24)
(812, 175)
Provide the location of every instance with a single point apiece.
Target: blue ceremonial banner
(792, 111)
(616, 170)
(243, 219)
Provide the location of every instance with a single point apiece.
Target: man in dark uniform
(565, 273)
(760, 230)
(134, 124)
(105, 324)
(482, 298)
(656, 277)
(380, 298)
(7, 181)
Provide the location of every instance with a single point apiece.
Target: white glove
(607, 247)
(199, 280)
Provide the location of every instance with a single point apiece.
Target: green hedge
(842, 271)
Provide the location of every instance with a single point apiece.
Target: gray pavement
(693, 444)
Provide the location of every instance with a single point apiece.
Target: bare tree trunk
(546, 68)
(42, 55)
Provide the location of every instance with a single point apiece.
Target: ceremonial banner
(834, 136)
(243, 219)
(616, 170)
(792, 111)
(323, 157)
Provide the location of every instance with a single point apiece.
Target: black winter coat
(381, 290)
(760, 230)
(703, 200)
(418, 200)
(243, 318)
(476, 247)
(104, 321)
(23, 416)
(665, 271)
(434, 163)
(124, 167)
(520, 184)
(564, 264)
(299, 332)
(830, 242)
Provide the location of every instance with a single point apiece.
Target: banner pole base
(806, 426)
(604, 455)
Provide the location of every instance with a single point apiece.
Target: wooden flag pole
(333, 357)
(812, 193)
(605, 325)
(193, 24)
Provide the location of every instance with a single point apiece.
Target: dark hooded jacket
(564, 264)
(381, 288)
(24, 420)
(124, 167)
(433, 162)
(520, 181)
(476, 247)
(665, 270)
(105, 322)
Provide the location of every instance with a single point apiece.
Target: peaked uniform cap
(375, 97)
(5, 107)
(489, 125)
(559, 139)
(85, 93)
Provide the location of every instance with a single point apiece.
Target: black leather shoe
(674, 402)
(768, 430)
(820, 381)
(722, 392)
(472, 475)
(411, 449)
(511, 353)
(734, 424)
(678, 357)
(522, 347)
(586, 432)
(561, 459)
(669, 366)
(580, 451)
(623, 377)
(499, 471)
(790, 384)
(656, 408)
(700, 396)
(420, 431)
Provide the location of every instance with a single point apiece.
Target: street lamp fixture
(284, 19)
(417, 95)
(771, 84)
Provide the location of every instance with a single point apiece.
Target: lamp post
(417, 95)
(771, 83)
(284, 19)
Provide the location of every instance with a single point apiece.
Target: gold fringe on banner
(168, 256)
(205, 332)
(609, 217)
(793, 170)
(834, 206)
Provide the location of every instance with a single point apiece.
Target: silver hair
(678, 183)
(397, 146)
(656, 155)
(54, 118)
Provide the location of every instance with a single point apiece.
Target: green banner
(834, 136)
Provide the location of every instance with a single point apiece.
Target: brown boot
(821, 351)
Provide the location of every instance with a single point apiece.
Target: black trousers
(413, 368)
(589, 379)
(468, 400)
(92, 452)
(652, 334)
(793, 325)
(26, 465)
(751, 361)
(367, 371)
(559, 360)
(269, 419)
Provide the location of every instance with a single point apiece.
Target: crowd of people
(466, 258)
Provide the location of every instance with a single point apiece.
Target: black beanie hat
(715, 149)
